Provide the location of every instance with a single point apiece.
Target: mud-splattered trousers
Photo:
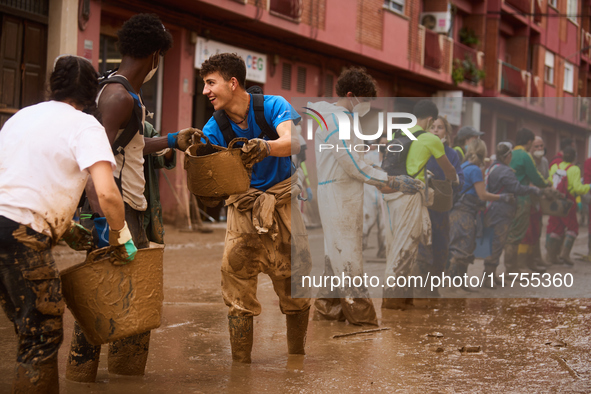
(373, 214)
(131, 352)
(569, 223)
(462, 237)
(31, 297)
(433, 258)
(499, 216)
(341, 212)
(408, 225)
(265, 229)
(534, 231)
(520, 222)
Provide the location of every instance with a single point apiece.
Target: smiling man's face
(217, 90)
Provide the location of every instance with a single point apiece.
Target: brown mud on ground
(525, 345)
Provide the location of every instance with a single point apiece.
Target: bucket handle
(207, 142)
(102, 254)
(236, 140)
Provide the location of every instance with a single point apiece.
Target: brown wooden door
(33, 63)
(11, 46)
(23, 52)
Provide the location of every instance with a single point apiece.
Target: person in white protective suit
(342, 173)
(373, 206)
(409, 223)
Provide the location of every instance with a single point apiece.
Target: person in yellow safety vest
(567, 179)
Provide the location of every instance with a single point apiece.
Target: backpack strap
(224, 124)
(135, 122)
(417, 134)
(258, 106)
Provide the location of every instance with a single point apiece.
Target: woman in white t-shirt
(47, 152)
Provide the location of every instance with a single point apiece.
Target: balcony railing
(291, 9)
(464, 52)
(535, 89)
(512, 80)
(521, 5)
(433, 55)
(585, 46)
(470, 61)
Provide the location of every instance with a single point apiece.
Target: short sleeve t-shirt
(271, 170)
(45, 151)
(420, 152)
(472, 175)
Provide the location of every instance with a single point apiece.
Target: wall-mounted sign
(256, 63)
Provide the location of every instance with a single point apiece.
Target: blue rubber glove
(102, 228)
(125, 249)
(309, 194)
(172, 137)
(183, 139)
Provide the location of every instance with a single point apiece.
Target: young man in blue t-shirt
(261, 222)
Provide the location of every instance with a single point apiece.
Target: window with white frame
(395, 5)
(569, 75)
(572, 9)
(549, 68)
(552, 3)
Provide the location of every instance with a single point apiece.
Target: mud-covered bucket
(443, 196)
(559, 207)
(110, 301)
(215, 171)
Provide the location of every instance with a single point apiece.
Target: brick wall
(491, 53)
(314, 13)
(413, 10)
(370, 22)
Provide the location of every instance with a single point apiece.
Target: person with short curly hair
(229, 65)
(143, 35)
(143, 39)
(253, 246)
(342, 175)
(357, 81)
(47, 152)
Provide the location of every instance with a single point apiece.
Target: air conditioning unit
(439, 22)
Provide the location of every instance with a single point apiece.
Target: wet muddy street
(509, 345)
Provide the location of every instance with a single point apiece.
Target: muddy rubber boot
(241, 330)
(328, 309)
(297, 329)
(567, 246)
(510, 258)
(83, 360)
(492, 269)
(128, 356)
(397, 298)
(36, 378)
(537, 257)
(553, 246)
(526, 261)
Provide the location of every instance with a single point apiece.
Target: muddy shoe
(567, 246)
(553, 245)
(297, 329)
(241, 338)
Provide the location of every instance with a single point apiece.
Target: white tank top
(132, 176)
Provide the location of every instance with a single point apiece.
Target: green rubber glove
(77, 237)
(125, 249)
